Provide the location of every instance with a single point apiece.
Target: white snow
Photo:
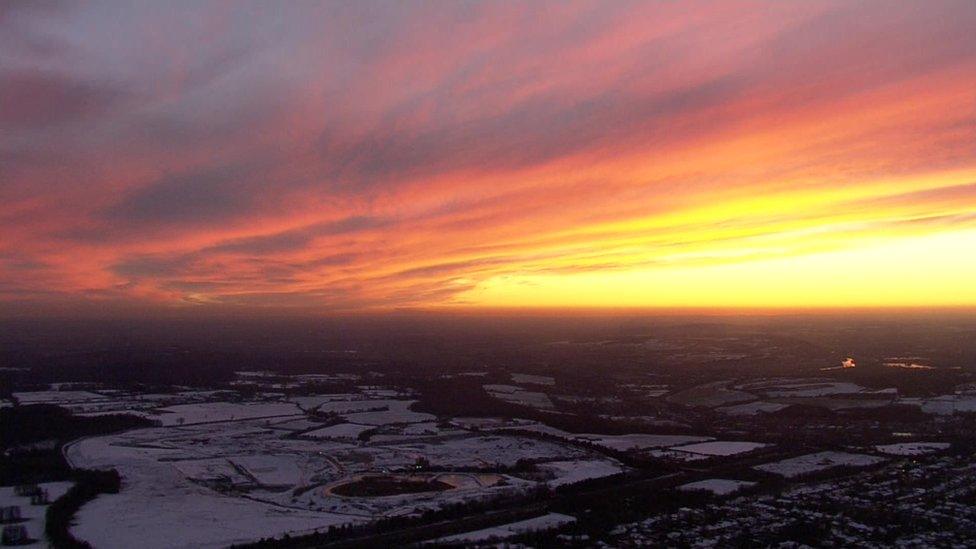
(512, 529)
(272, 470)
(398, 413)
(516, 395)
(205, 412)
(300, 424)
(912, 448)
(211, 470)
(495, 388)
(820, 461)
(671, 455)
(569, 472)
(487, 451)
(139, 413)
(533, 379)
(376, 411)
(426, 428)
(711, 395)
(948, 405)
(56, 397)
(342, 430)
(717, 486)
(33, 515)
(314, 401)
(815, 389)
(720, 448)
(159, 507)
(542, 428)
(752, 408)
(624, 443)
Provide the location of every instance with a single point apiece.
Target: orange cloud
(354, 157)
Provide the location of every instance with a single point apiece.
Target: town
(368, 455)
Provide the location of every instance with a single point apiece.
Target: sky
(367, 156)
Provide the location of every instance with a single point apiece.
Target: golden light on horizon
(919, 271)
(568, 155)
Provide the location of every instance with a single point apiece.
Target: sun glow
(537, 155)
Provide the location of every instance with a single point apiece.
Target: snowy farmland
(569, 472)
(505, 531)
(342, 431)
(912, 448)
(231, 469)
(156, 496)
(33, 515)
(397, 412)
(813, 389)
(720, 448)
(517, 395)
(624, 443)
(752, 408)
(57, 397)
(206, 412)
(488, 451)
(533, 379)
(717, 486)
(711, 395)
(820, 461)
(634, 442)
(230, 472)
(945, 405)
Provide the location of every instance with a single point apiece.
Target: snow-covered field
(57, 397)
(671, 455)
(539, 428)
(711, 395)
(717, 486)
(370, 412)
(184, 482)
(820, 461)
(160, 507)
(398, 413)
(211, 470)
(623, 443)
(204, 412)
(533, 379)
(945, 405)
(116, 402)
(299, 424)
(343, 430)
(512, 529)
(273, 470)
(620, 443)
(814, 389)
(752, 408)
(569, 472)
(720, 448)
(33, 515)
(516, 395)
(488, 451)
(314, 401)
(912, 448)
(421, 429)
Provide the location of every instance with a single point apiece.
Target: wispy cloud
(375, 155)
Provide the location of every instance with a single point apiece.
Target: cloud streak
(360, 156)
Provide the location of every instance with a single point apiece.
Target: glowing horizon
(344, 157)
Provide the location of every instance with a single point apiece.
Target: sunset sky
(361, 156)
